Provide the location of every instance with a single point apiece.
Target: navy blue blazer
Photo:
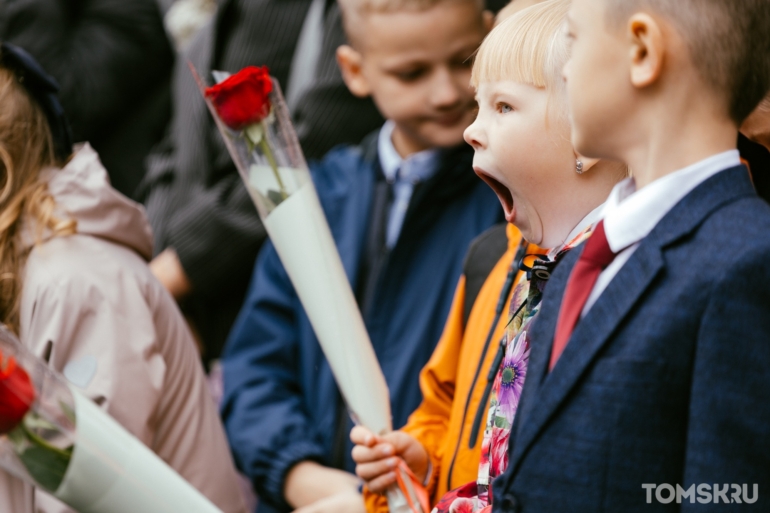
(667, 378)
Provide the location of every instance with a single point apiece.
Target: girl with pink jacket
(75, 287)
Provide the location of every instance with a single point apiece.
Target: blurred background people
(754, 144)
(113, 62)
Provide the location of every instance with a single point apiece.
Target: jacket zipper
(512, 271)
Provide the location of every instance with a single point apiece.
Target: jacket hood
(82, 191)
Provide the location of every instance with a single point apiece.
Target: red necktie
(596, 256)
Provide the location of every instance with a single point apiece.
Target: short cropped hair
(529, 47)
(728, 41)
(354, 10)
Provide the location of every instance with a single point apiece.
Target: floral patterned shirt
(508, 385)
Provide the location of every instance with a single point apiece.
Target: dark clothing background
(281, 401)
(113, 62)
(195, 199)
(759, 161)
(665, 379)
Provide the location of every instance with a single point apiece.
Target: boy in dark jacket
(403, 208)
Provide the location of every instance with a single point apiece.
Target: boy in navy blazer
(649, 380)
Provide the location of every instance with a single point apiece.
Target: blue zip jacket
(281, 404)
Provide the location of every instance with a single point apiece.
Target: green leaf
(276, 196)
(46, 467)
(502, 422)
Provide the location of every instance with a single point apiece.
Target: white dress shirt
(590, 219)
(404, 174)
(630, 215)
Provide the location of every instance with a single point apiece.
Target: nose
(474, 135)
(445, 92)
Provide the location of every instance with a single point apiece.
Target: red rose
(16, 395)
(242, 99)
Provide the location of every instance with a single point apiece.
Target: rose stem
(269, 154)
(32, 437)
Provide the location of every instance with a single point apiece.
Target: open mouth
(503, 194)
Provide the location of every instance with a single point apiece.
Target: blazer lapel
(590, 335)
(593, 332)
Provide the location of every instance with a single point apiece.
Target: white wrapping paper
(113, 472)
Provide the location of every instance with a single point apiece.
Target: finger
(359, 435)
(400, 440)
(382, 483)
(371, 471)
(362, 454)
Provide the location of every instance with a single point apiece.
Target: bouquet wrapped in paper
(252, 116)
(56, 439)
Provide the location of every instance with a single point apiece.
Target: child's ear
(647, 50)
(350, 62)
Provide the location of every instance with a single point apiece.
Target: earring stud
(579, 166)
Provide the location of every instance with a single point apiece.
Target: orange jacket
(440, 423)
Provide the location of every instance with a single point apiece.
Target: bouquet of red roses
(56, 439)
(251, 114)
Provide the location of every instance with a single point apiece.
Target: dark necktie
(596, 256)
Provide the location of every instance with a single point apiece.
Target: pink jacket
(91, 304)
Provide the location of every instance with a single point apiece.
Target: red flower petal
(16, 395)
(242, 99)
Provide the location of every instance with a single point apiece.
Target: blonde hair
(353, 11)
(512, 8)
(765, 103)
(529, 47)
(367, 6)
(26, 148)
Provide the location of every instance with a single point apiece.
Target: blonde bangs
(528, 47)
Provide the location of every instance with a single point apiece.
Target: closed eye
(411, 75)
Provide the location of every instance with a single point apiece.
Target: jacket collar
(544, 392)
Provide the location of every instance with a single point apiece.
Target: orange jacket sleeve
(429, 423)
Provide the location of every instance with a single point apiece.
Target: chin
(445, 140)
(446, 136)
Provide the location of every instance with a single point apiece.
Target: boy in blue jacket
(648, 382)
(403, 208)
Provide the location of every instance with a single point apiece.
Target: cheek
(462, 79)
(395, 99)
(520, 142)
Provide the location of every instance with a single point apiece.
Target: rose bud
(242, 99)
(16, 395)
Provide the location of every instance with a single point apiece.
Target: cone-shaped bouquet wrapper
(56, 439)
(251, 113)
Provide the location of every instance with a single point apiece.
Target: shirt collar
(587, 222)
(630, 215)
(422, 165)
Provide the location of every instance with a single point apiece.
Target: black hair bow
(43, 88)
